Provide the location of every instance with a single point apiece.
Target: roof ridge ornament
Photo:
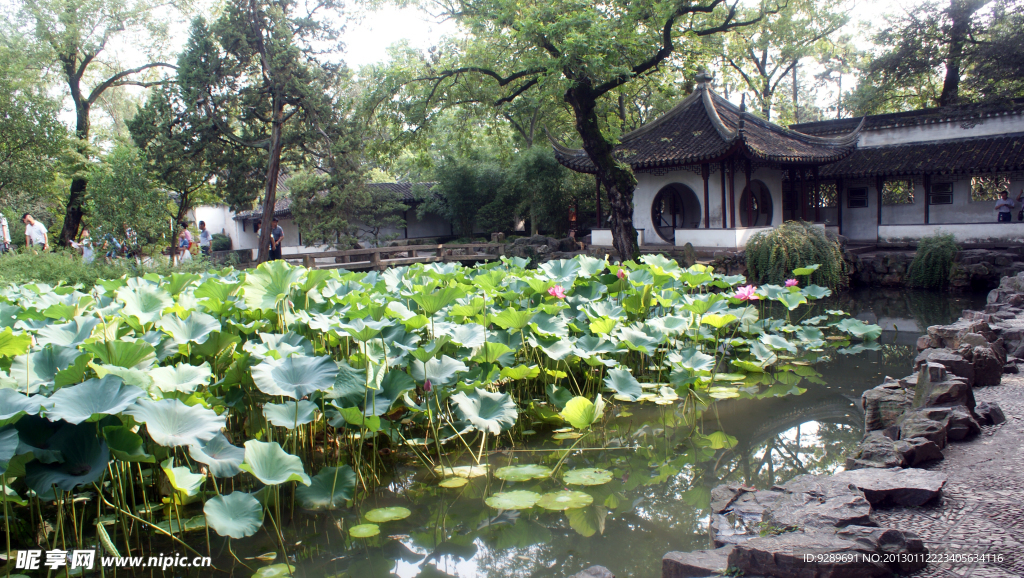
(704, 77)
(725, 132)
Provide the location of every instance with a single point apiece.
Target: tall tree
(768, 53)
(582, 52)
(257, 77)
(77, 34)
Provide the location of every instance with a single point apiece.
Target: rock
(890, 541)
(818, 501)
(988, 368)
(916, 425)
(724, 495)
(953, 362)
(1010, 368)
(696, 564)
(974, 340)
(595, 572)
(921, 451)
(952, 391)
(950, 335)
(989, 413)
(961, 424)
(784, 556)
(883, 405)
(878, 451)
(689, 256)
(902, 487)
(924, 342)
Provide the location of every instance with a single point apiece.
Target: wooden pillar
(732, 192)
(725, 204)
(705, 172)
(597, 183)
(375, 261)
(927, 196)
(839, 203)
(750, 194)
(816, 194)
(792, 192)
(879, 184)
(803, 194)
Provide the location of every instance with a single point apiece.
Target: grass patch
(67, 267)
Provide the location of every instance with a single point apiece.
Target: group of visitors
(1004, 207)
(187, 245)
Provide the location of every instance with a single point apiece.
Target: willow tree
(77, 34)
(256, 76)
(582, 53)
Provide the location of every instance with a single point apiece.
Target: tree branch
(113, 80)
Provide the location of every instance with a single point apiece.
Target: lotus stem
(151, 525)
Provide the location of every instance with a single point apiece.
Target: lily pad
(381, 515)
(236, 515)
(364, 531)
(565, 500)
(517, 500)
(522, 473)
(453, 482)
(462, 471)
(571, 435)
(587, 477)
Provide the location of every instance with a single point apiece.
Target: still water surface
(657, 501)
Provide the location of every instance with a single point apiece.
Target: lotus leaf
(520, 372)
(364, 530)
(565, 500)
(66, 334)
(381, 515)
(219, 455)
(85, 457)
(622, 382)
(172, 423)
(522, 473)
(453, 482)
(236, 515)
(181, 478)
(196, 328)
(489, 412)
(145, 302)
(40, 367)
(272, 465)
(332, 487)
(290, 414)
(581, 412)
(14, 405)
(295, 377)
(126, 445)
(587, 521)
(270, 284)
(439, 371)
(182, 378)
(8, 447)
(92, 400)
(124, 353)
(462, 471)
(587, 477)
(517, 500)
(720, 440)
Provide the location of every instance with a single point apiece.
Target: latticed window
(987, 188)
(898, 193)
(828, 196)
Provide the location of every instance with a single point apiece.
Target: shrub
(67, 266)
(933, 261)
(772, 255)
(220, 242)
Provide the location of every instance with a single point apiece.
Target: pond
(657, 500)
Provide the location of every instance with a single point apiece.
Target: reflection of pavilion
(711, 174)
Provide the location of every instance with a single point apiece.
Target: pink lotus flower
(746, 293)
(426, 386)
(621, 273)
(557, 292)
(791, 282)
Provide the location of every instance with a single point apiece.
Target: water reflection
(659, 497)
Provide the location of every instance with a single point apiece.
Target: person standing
(35, 233)
(205, 239)
(85, 244)
(276, 236)
(1004, 208)
(5, 235)
(183, 244)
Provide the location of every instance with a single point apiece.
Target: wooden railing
(377, 258)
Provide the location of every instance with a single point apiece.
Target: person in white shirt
(5, 235)
(205, 239)
(35, 233)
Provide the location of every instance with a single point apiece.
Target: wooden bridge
(380, 258)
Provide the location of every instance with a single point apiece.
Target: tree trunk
(270, 193)
(796, 92)
(960, 13)
(76, 197)
(617, 176)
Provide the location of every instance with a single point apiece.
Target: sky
(368, 41)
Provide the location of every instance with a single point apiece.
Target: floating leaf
(462, 471)
(522, 473)
(587, 477)
(517, 500)
(565, 500)
(381, 515)
(453, 482)
(364, 530)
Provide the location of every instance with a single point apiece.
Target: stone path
(982, 508)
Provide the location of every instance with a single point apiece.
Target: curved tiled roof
(955, 113)
(974, 155)
(704, 127)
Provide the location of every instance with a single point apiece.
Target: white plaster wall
(431, 226)
(963, 209)
(860, 224)
(965, 233)
(649, 184)
(997, 126)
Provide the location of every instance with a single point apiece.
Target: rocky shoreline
(823, 526)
